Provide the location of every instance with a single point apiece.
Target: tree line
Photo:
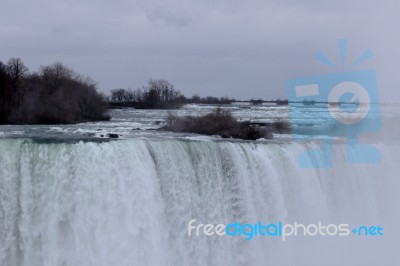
(53, 95)
(57, 95)
(159, 94)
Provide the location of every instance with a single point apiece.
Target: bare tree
(17, 70)
(3, 67)
(118, 95)
(130, 95)
(55, 74)
(163, 91)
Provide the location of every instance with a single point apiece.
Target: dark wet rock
(112, 135)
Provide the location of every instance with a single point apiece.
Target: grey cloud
(161, 16)
(211, 47)
(58, 31)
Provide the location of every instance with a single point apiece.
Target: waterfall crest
(129, 202)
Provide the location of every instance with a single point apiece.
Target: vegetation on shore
(54, 95)
(57, 95)
(159, 94)
(222, 123)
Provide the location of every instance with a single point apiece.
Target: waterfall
(129, 202)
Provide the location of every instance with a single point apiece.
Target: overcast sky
(237, 48)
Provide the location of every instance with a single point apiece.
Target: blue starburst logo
(351, 108)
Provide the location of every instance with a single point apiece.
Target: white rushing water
(128, 202)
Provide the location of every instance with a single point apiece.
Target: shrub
(280, 126)
(220, 122)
